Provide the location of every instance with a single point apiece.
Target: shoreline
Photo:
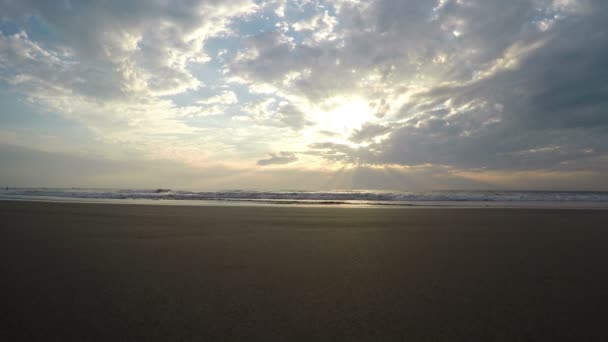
(323, 203)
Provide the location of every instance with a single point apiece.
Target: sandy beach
(104, 272)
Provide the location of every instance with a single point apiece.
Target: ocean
(446, 198)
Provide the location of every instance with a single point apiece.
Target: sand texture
(94, 272)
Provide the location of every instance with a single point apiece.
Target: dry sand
(94, 272)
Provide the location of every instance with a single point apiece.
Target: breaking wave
(316, 197)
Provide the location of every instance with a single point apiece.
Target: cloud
(369, 132)
(502, 86)
(271, 112)
(112, 66)
(131, 48)
(278, 159)
(320, 26)
(22, 167)
(292, 116)
(551, 95)
(227, 97)
(481, 81)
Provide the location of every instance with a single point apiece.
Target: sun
(342, 116)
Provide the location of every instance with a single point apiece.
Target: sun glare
(343, 117)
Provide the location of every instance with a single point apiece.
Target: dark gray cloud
(512, 85)
(368, 132)
(270, 112)
(549, 110)
(292, 116)
(278, 159)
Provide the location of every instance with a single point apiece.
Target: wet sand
(95, 272)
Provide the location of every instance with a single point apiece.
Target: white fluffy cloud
(115, 63)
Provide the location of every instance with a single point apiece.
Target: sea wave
(318, 197)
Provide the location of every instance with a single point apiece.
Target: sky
(305, 95)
